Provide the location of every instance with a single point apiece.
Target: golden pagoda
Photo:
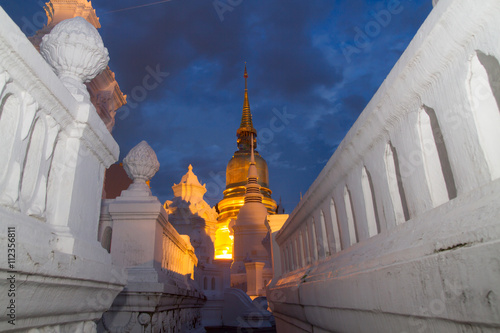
(236, 179)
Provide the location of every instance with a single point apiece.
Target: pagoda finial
(246, 126)
(245, 75)
(246, 118)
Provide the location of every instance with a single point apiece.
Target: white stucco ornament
(76, 52)
(141, 164)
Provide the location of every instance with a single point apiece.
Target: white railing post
(159, 261)
(54, 150)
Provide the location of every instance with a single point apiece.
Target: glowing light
(224, 256)
(223, 243)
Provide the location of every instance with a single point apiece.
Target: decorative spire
(246, 117)
(252, 188)
(190, 178)
(245, 75)
(246, 126)
(189, 189)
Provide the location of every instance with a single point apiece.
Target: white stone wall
(399, 232)
(54, 149)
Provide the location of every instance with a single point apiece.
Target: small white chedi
(191, 215)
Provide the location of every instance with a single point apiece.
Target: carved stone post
(137, 235)
(84, 149)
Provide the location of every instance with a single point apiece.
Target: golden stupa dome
(237, 170)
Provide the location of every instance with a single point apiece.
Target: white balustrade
(416, 177)
(54, 149)
(178, 251)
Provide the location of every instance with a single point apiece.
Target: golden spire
(246, 117)
(246, 126)
(245, 75)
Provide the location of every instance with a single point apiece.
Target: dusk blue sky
(318, 62)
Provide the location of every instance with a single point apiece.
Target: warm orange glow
(224, 255)
(223, 242)
(234, 199)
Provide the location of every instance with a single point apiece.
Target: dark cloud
(296, 63)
